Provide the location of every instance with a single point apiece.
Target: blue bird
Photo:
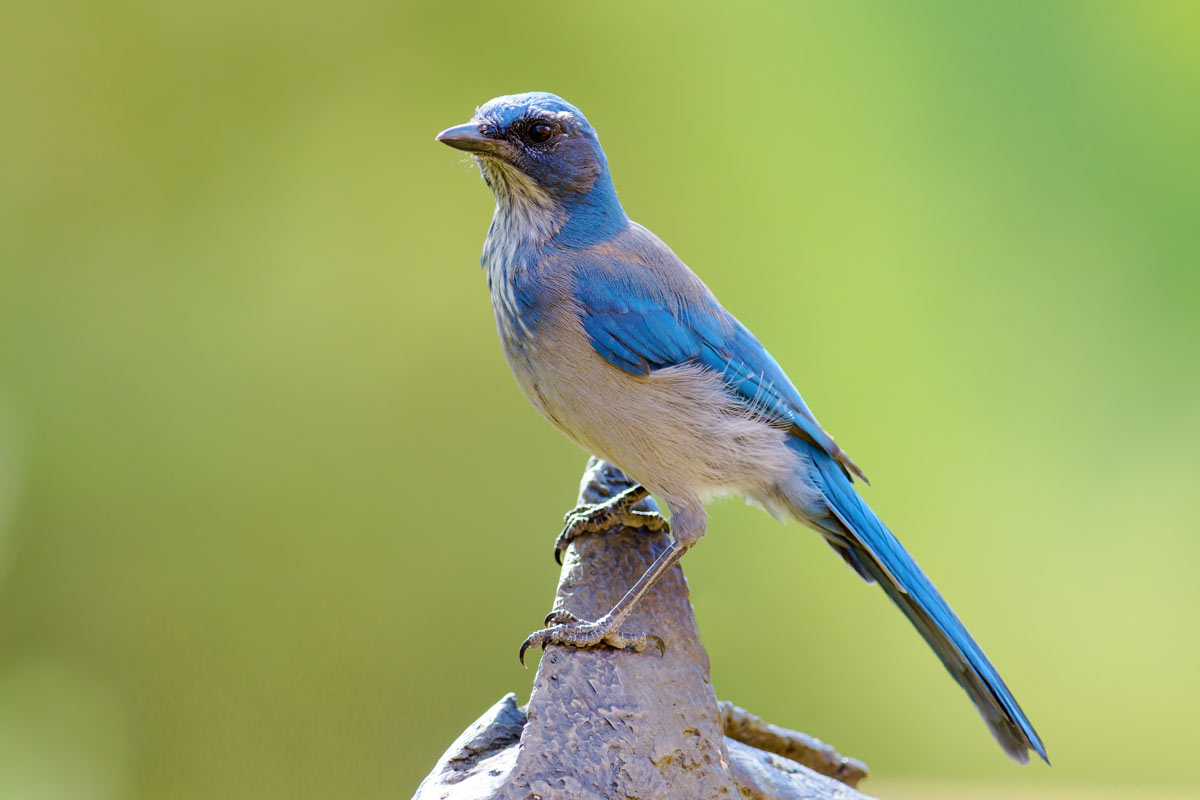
(627, 352)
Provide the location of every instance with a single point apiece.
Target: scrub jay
(626, 351)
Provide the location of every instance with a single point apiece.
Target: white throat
(525, 215)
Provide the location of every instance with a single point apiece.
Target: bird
(628, 353)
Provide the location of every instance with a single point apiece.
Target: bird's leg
(600, 517)
(568, 629)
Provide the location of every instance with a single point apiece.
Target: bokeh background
(274, 516)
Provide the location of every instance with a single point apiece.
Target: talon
(615, 512)
(525, 645)
(560, 616)
(564, 628)
(580, 510)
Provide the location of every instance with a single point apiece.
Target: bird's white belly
(674, 430)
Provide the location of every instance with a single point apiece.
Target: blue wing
(641, 326)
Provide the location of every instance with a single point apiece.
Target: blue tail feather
(874, 548)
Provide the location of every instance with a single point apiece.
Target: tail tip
(1018, 739)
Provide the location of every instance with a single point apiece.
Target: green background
(274, 516)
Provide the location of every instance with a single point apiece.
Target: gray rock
(604, 723)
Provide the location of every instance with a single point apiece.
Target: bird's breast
(530, 321)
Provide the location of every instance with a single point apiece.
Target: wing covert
(640, 325)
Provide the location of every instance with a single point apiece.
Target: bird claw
(560, 616)
(603, 517)
(580, 511)
(563, 627)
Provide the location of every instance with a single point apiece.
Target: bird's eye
(539, 132)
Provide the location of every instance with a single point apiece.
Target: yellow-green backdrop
(274, 517)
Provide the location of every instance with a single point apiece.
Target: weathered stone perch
(603, 724)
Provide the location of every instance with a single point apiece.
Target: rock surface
(603, 723)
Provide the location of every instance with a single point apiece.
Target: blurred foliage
(274, 517)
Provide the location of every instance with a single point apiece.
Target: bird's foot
(601, 517)
(563, 627)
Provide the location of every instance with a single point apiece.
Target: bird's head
(536, 150)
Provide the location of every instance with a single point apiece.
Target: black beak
(468, 137)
